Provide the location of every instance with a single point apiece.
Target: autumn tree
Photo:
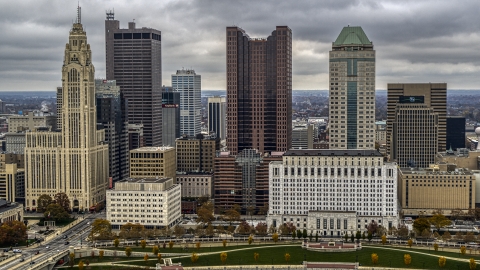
(261, 228)
(231, 215)
(145, 257)
(410, 243)
(472, 264)
(287, 228)
(435, 247)
(143, 243)
(442, 261)
(81, 265)
(263, 210)
(170, 244)
(421, 224)
(374, 258)
(71, 259)
(203, 199)
(275, 237)
(130, 230)
(250, 240)
(12, 232)
(224, 242)
(294, 234)
(287, 257)
(159, 257)
(209, 230)
(384, 239)
(116, 242)
(244, 228)
(463, 250)
(62, 200)
(372, 227)
(128, 251)
(42, 202)
(407, 259)
(220, 229)
(101, 229)
(402, 231)
(446, 236)
(439, 221)
(223, 257)
(369, 236)
(469, 237)
(155, 250)
(194, 257)
(197, 245)
(256, 256)
(56, 212)
(179, 231)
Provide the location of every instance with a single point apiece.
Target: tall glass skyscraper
(189, 84)
(352, 91)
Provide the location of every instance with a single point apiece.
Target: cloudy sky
(416, 41)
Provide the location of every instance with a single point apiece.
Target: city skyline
(411, 45)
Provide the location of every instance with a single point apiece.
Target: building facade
(352, 91)
(10, 211)
(32, 121)
(345, 181)
(414, 137)
(217, 113)
(12, 183)
(15, 142)
(171, 115)
(134, 60)
(153, 162)
(302, 137)
(112, 117)
(455, 132)
(195, 185)
(259, 91)
(196, 153)
(154, 203)
(135, 136)
(75, 160)
(189, 84)
(433, 95)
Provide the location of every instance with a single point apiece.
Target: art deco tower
(352, 91)
(75, 160)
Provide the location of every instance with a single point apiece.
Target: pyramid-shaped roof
(352, 35)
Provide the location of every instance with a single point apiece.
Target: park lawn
(275, 255)
(455, 254)
(191, 248)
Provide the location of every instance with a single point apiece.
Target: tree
(407, 259)
(231, 215)
(62, 200)
(87, 263)
(128, 251)
(421, 224)
(410, 243)
(272, 229)
(56, 212)
(263, 210)
(372, 227)
(224, 242)
(209, 230)
(435, 247)
(92, 254)
(358, 235)
(155, 250)
(203, 199)
(179, 231)
(369, 236)
(244, 228)
(275, 237)
(374, 258)
(384, 239)
(197, 245)
(310, 236)
(81, 265)
(261, 228)
(231, 229)
(446, 236)
(442, 261)
(439, 221)
(363, 236)
(170, 244)
(304, 234)
(294, 234)
(194, 257)
(472, 264)
(223, 257)
(352, 237)
(456, 213)
(143, 243)
(287, 257)
(299, 234)
(71, 259)
(12, 232)
(220, 229)
(130, 230)
(402, 231)
(159, 257)
(469, 237)
(316, 237)
(346, 237)
(256, 256)
(42, 202)
(100, 254)
(458, 236)
(145, 257)
(250, 240)
(101, 229)
(426, 234)
(116, 242)
(463, 250)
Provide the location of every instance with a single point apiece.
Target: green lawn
(191, 248)
(440, 251)
(275, 255)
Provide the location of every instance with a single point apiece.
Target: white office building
(152, 202)
(311, 188)
(189, 84)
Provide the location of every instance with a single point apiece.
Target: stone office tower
(134, 60)
(259, 91)
(75, 160)
(352, 91)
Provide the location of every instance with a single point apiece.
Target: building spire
(79, 13)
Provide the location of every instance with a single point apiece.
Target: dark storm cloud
(416, 41)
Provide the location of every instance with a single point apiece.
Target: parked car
(17, 250)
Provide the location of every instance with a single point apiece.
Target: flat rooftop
(152, 149)
(330, 152)
(144, 180)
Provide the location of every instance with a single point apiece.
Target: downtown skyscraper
(134, 60)
(352, 91)
(189, 84)
(259, 90)
(75, 160)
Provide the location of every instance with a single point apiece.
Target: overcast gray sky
(416, 41)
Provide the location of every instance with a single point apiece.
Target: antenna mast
(79, 14)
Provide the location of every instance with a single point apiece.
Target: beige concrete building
(352, 91)
(32, 121)
(10, 211)
(153, 162)
(154, 203)
(12, 183)
(462, 158)
(75, 160)
(422, 191)
(195, 185)
(196, 153)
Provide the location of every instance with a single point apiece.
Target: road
(75, 236)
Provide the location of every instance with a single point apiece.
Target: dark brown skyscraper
(259, 91)
(134, 60)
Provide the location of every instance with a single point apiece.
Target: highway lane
(75, 236)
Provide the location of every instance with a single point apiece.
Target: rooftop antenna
(79, 13)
